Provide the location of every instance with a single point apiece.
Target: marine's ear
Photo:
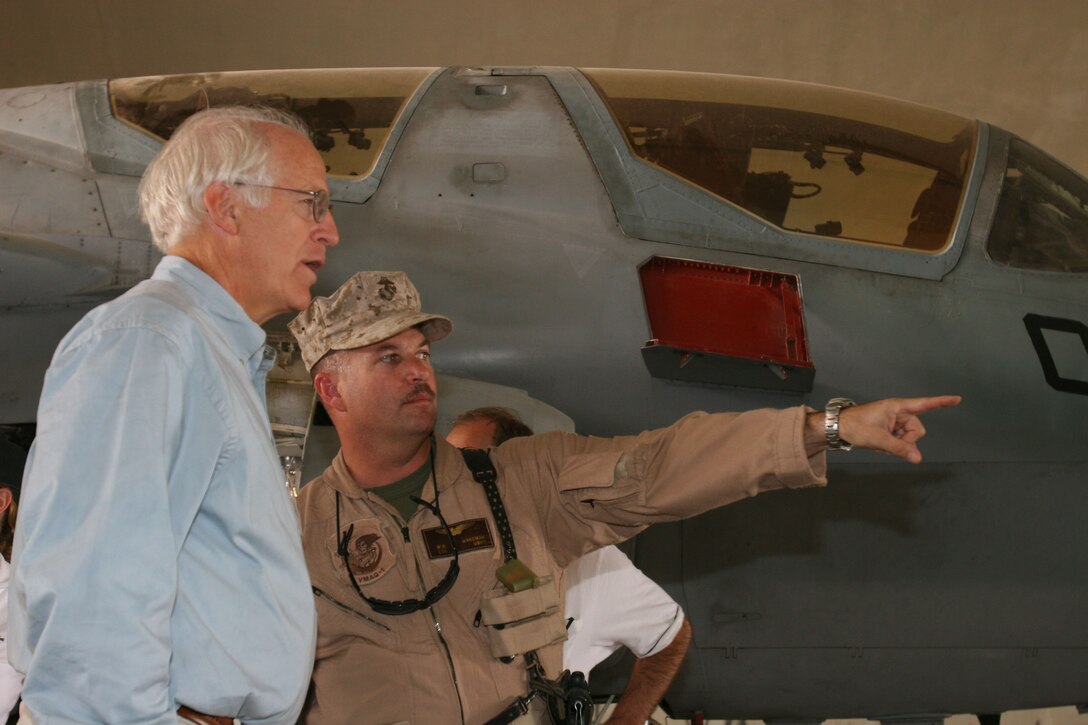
(327, 386)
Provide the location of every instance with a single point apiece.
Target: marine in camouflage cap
(368, 308)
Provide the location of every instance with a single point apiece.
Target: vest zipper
(417, 542)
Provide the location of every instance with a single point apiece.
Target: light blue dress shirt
(157, 558)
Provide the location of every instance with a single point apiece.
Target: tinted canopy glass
(350, 111)
(1042, 215)
(806, 158)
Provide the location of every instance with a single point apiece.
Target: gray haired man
(157, 563)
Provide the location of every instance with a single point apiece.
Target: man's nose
(327, 231)
(418, 370)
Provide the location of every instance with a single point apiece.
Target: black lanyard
(403, 606)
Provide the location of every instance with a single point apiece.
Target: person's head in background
(486, 428)
(12, 460)
(9, 506)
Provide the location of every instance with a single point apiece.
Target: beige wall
(1020, 65)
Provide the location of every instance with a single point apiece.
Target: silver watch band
(831, 423)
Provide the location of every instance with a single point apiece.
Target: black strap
(518, 708)
(483, 470)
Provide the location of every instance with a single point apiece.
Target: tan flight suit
(565, 495)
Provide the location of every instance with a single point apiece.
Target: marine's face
(388, 387)
(283, 246)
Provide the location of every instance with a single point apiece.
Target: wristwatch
(831, 423)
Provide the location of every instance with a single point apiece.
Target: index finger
(921, 405)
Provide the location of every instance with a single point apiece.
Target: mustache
(416, 390)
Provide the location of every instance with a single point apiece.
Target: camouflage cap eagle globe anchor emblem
(368, 308)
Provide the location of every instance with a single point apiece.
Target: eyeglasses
(403, 606)
(319, 202)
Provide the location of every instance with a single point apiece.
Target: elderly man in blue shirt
(157, 561)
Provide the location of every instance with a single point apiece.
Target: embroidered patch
(467, 536)
(388, 289)
(368, 552)
(365, 553)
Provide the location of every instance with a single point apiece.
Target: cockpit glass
(350, 111)
(1042, 214)
(805, 158)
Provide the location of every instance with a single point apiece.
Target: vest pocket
(519, 622)
(605, 477)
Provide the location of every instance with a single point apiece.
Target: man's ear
(326, 385)
(222, 202)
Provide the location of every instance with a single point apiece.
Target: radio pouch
(523, 621)
(501, 606)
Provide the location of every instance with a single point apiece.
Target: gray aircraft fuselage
(904, 251)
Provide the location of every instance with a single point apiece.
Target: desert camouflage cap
(368, 308)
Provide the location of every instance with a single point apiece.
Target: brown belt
(201, 719)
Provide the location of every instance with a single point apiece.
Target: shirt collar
(449, 468)
(246, 337)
